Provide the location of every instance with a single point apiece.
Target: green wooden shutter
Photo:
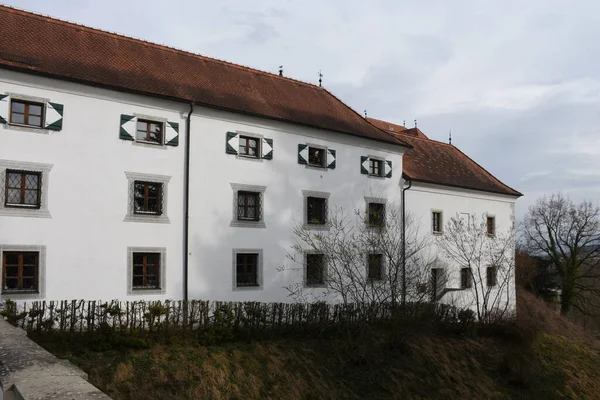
(388, 169)
(267, 149)
(231, 143)
(330, 159)
(4, 102)
(127, 130)
(364, 165)
(302, 154)
(171, 133)
(54, 116)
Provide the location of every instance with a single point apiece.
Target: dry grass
(555, 359)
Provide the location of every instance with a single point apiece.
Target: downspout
(404, 189)
(186, 218)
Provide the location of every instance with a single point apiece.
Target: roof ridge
(159, 46)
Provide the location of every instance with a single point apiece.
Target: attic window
(391, 128)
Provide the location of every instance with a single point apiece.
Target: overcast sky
(517, 82)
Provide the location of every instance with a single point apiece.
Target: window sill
(22, 206)
(316, 227)
(24, 212)
(147, 218)
(237, 223)
(21, 295)
(17, 291)
(437, 233)
(316, 285)
(142, 292)
(150, 145)
(26, 128)
(247, 287)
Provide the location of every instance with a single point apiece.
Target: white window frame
(163, 271)
(131, 216)
(155, 119)
(259, 149)
(44, 169)
(259, 270)
(22, 127)
(441, 212)
(41, 293)
(305, 270)
(313, 166)
(238, 223)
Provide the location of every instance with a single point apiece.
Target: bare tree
(363, 258)
(568, 235)
(486, 261)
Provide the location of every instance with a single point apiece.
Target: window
(375, 271)
(22, 189)
(466, 278)
(316, 210)
(147, 198)
(436, 223)
(315, 269)
(491, 226)
(26, 113)
(376, 214)
(20, 271)
(146, 271)
(375, 167)
(317, 156)
(246, 269)
(249, 147)
(149, 131)
(248, 206)
(492, 276)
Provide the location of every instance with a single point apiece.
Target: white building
(100, 134)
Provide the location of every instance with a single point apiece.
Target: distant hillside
(545, 357)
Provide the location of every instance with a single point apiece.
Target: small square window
(146, 271)
(316, 210)
(375, 167)
(436, 222)
(492, 276)
(317, 156)
(20, 271)
(376, 214)
(466, 278)
(23, 189)
(147, 197)
(248, 206)
(375, 271)
(249, 147)
(26, 113)
(315, 269)
(149, 131)
(491, 226)
(246, 269)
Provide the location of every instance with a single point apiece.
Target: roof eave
(506, 193)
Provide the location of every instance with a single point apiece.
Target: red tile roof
(440, 163)
(38, 44)
(392, 128)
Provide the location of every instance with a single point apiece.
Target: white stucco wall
(211, 237)
(85, 238)
(422, 199)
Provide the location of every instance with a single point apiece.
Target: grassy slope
(426, 366)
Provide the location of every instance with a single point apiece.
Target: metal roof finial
(450, 137)
(281, 70)
(320, 78)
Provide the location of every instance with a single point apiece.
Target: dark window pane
(29, 258)
(31, 181)
(138, 258)
(138, 270)
(13, 196)
(314, 268)
(375, 267)
(18, 118)
(28, 271)
(316, 156)
(316, 210)
(11, 258)
(11, 283)
(28, 283)
(11, 271)
(37, 121)
(376, 214)
(34, 110)
(18, 107)
(138, 281)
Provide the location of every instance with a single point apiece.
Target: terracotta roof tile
(444, 164)
(38, 44)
